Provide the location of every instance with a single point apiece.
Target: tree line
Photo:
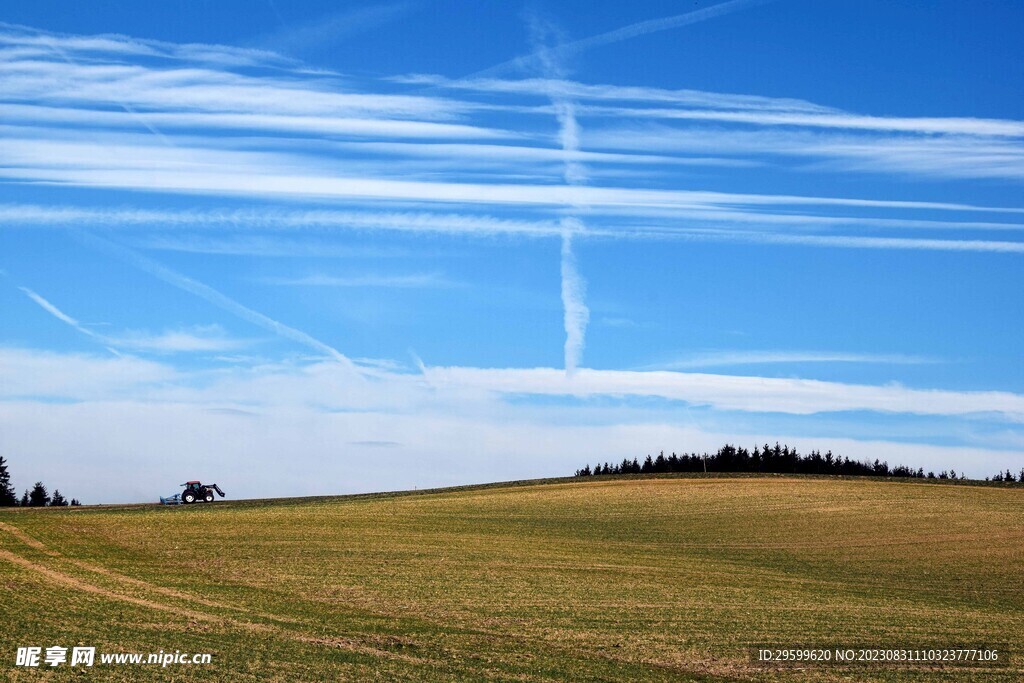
(36, 497)
(773, 460)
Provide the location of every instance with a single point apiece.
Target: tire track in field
(61, 578)
(350, 643)
(73, 582)
(98, 569)
(26, 539)
(131, 580)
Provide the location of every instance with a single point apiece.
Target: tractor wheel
(188, 497)
(209, 497)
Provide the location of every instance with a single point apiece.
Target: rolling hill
(663, 578)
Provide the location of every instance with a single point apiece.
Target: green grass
(655, 578)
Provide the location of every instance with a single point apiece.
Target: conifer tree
(8, 497)
(39, 496)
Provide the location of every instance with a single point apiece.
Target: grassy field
(667, 578)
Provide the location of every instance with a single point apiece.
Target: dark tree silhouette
(58, 500)
(74, 502)
(779, 459)
(39, 496)
(8, 497)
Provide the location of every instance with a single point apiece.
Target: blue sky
(317, 247)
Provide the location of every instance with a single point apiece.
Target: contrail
(549, 60)
(217, 298)
(641, 28)
(176, 279)
(56, 49)
(67, 319)
(193, 286)
(576, 315)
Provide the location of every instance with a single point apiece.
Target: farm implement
(195, 492)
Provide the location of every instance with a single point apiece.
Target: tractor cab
(195, 491)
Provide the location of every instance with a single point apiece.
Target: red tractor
(194, 491)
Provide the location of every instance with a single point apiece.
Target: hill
(658, 578)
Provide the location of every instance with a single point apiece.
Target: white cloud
(26, 41)
(48, 375)
(259, 174)
(697, 105)
(201, 89)
(712, 359)
(858, 242)
(733, 392)
(280, 219)
(201, 338)
(72, 413)
(328, 386)
(154, 447)
(666, 226)
(951, 126)
(157, 427)
(311, 125)
(774, 228)
(536, 87)
(950, 155)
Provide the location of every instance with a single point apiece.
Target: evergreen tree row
(1007, 476)
(770, 459)
(36, 497)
